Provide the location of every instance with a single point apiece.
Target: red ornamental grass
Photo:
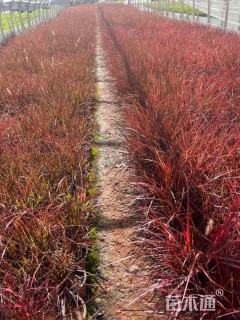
(47, 90)
(181, 86)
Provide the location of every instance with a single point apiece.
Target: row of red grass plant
(47, 89)
(181, 83)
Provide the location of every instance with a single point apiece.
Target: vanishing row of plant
(181, 87)
(47, 90)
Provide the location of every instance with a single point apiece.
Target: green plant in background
(175, 7)
(17, 16)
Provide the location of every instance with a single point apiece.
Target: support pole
(193, 10)
(226, 14)
(209, 11)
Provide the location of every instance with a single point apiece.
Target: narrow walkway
(124, 273)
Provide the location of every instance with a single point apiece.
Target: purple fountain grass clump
(180, 82)
(47, 90)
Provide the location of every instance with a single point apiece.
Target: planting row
(47, 90)
(181, 87)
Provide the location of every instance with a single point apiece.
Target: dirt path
(125, 275)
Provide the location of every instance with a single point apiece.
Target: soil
(124, 273)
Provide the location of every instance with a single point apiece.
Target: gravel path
(122, 268)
